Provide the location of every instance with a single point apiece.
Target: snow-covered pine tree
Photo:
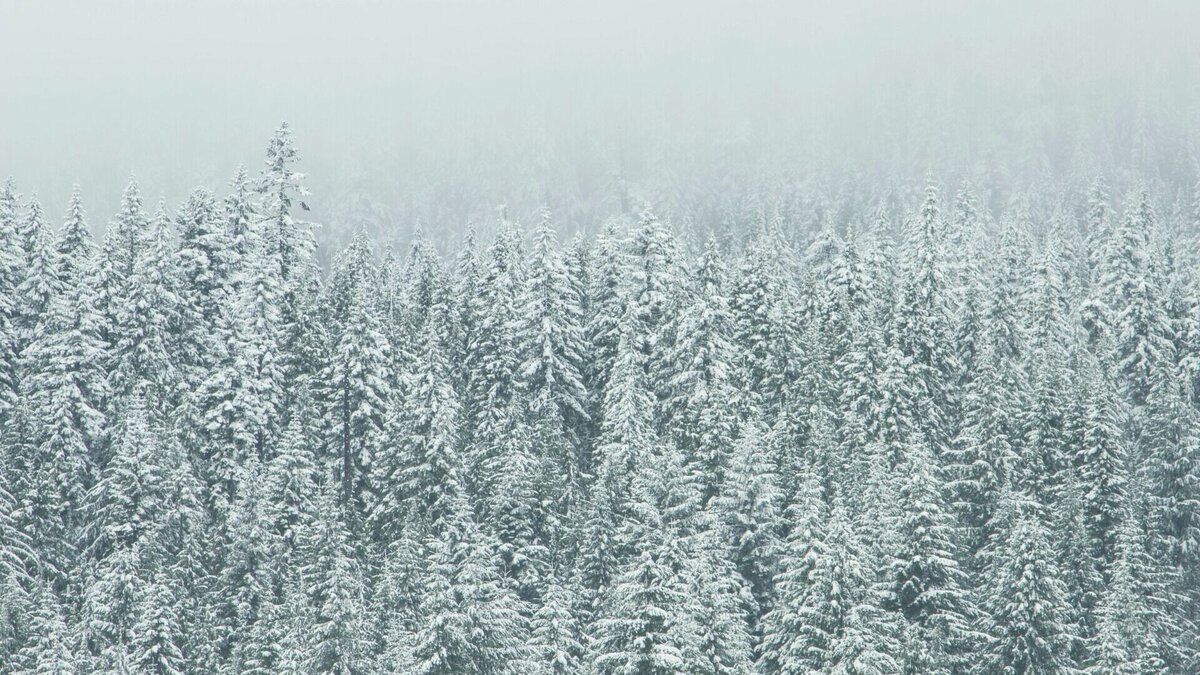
(147, 316)
(11, 270)
(1101, 456)
(463, 302)
(762, 337)
(251, 573)
(470, 621)
(1075, 556)
(242, 400)
(700, 412)
(1170, 444)
(355, 388)
(928, 586)
(52, 647)
(17, 557)
(238, 216)
(157, 633)
(1139, 629)
(922, 322)
(555, 635)
(204, 264)
(646, 627)
(495, 359)
(988, 453)
(1026, 602)
(39, 279)
(421, 473)
(787, 634)
(124, 240)
(608, 297)
(552, 353)
(1141, 335)
(1053, 340)
(335, 585)
(655, 275)
(288, 240)
(751, 508)
(627, 432)
(725, 609)
(291, 475)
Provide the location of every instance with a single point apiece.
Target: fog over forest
(609, 338)
(709, 111)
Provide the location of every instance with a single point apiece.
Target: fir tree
(700, 418)
(157, 632)
(751, 508)
(928, 586)
(40, 281)
(552, 356)
(336, 590)
(1026, 601)
(554, 632)
(470, 623)
(288, 241)
(425, 471)
(51, 649)
(355, 394)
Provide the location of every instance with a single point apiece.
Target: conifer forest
(609, 341)
(935, 441)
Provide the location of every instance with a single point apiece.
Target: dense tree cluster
(918, 438)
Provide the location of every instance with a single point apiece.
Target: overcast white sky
(181, 92)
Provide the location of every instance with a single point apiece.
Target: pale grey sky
(435, 110)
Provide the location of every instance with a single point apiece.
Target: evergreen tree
(760, 291)
(424, 472)
(603, 330)
(554, 632)
(1138, 631)
(239, 216)
(700, 418)
(655, 277)
(204, 267)
(787, 634)
(724, 612)
(335, 586)
(123, 245)
(51, 649)
(988, 453)
(928, 587)
(251, 574)
(1051, 375)
(494, 388)
(157, 632)
(921, 331)
(627, 425)
(751, 508)
(1101, 459)
(288, 241)
(355, 394)
(147, 316)
(646, 629)
(11, 270)
(1140, 332)
(39, 280)
(1026, 601)
(1075, 556)
(552, 356)
(1172, 469)
(470, 622)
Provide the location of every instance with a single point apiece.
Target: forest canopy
(903, 432)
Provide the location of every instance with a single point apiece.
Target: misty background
(712, 113)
